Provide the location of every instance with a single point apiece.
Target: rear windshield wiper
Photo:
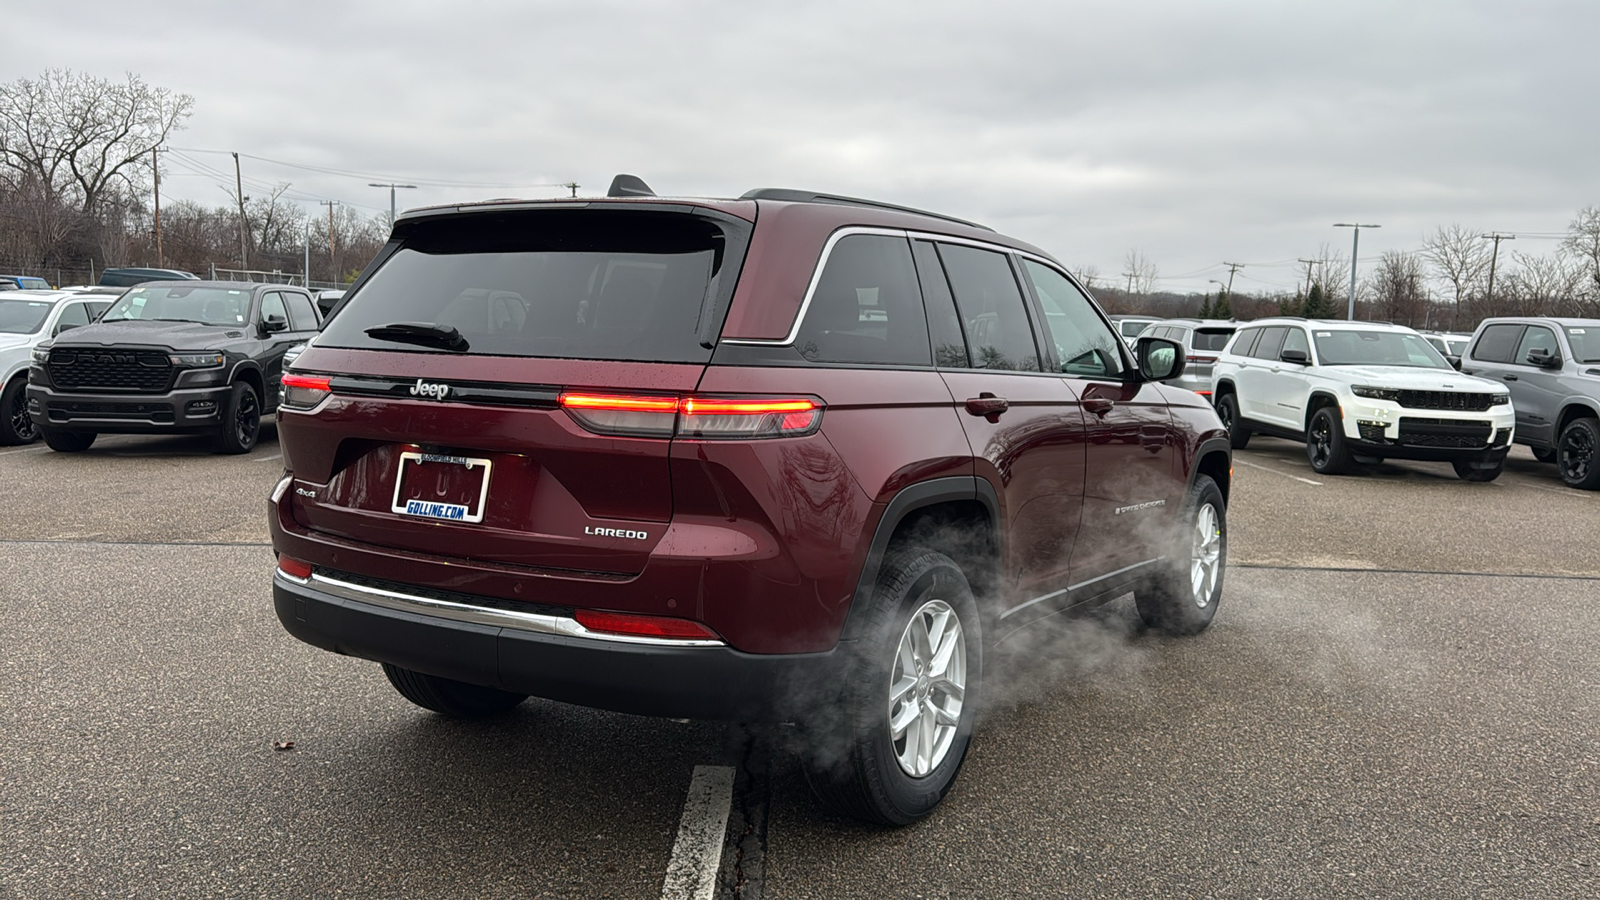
(427, 334)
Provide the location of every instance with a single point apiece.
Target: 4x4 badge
(424, 389)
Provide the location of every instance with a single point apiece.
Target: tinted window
(570, 284)
(1376, 348)
(1296, 340)
(1132, 329)
(207, 305)
(867, 307)
(1084, 345)
(992, 311)
(1246, 342)
(944, 323)
(1536, 338)
(1585, 343)
(1271, 342)
(73, 314)
(96, 307)
(1497, 343)
(272, 305)
(1213, 339)
(302, 316)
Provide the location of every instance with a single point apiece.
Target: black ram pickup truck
(171, 357)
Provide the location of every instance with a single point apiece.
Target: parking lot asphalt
(1397, 699)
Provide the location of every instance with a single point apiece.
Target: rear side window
(1083, 343)
(1246, 342)
(1271, 342)
(301, 313)
(571, 284)
(867, 307)
(944, 323)
(1212, 339)
(992, 310)
(1497, 343)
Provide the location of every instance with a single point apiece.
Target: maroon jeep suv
(790, 457)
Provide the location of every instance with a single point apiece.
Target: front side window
(272, 307)
(1536, 338)
(1296, 340)
(206, 305)
(1084, 345)
(1377, 348)
(867, 307)
(570, 284)
(993, 313)
(73, 315)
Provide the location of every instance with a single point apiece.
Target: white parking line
(1277, 472)
(269, 458)
(37, 449)
(697, 853)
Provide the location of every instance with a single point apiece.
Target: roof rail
(793, 196)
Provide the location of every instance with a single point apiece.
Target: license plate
(435, 486)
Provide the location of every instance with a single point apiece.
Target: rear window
(1212, 338)
(571, 284)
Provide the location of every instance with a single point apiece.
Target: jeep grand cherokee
(765, 458)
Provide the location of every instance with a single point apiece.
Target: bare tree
(1140, 272)
(1088, 275)
(1538, 286)
(1396, 290)
(1461, 258)
(1582, 244)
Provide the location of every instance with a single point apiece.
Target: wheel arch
(1317, 400)
(1214, 458)
(248, 372)
(958, 516)
(1575, 409)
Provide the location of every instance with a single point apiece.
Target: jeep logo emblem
(424, 389)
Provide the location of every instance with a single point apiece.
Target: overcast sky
(1196, 132)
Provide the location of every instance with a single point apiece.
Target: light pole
(391, 188)
(1221, 285)
(1355, 245)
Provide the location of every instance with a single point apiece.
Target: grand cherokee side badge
(424, 389)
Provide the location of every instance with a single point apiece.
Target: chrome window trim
(516, 620)
(827, 251)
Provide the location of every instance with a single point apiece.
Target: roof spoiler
(629, 186)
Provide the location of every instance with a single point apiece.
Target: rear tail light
(304, 391)
(644, 626)
(705, 418)
(1202, 359)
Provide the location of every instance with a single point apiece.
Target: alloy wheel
(1576, 454)
(927, 688)
(21, 422)
(246, 419)
(1321, 441)
(1206, 564)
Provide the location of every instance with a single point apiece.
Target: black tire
(1468, 471)
(455, 699)
(16, 426)
(1183, 598)
(1578, 454)
(1228, 412)
(853, 761)
(68, 441)
(241, 420)
(1325, 446)
(1544, 454)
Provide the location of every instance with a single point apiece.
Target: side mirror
(63, 327)
(1298, 357)
(1454, 361)
(273, 324)
(1543, 358)
(1159, 359)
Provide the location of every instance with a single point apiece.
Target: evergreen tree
(1292, 306)
(1317, 305)
(1205, 308)
(1223, 309)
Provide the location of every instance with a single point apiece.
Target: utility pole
(155, 168)
(238, 182)
(1232, 268)
(1497, 237)
(1355, 246)
(572, 186)
(1309, 263)
(307, 280)
(391, 188)
(330, 204)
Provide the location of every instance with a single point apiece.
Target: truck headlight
(196, 360)
(41, 355)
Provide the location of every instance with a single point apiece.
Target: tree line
(79, 157)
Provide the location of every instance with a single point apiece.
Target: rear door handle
(1098, 405)
(987, 405)
(1509, 377)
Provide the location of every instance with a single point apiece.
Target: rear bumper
(488, 645)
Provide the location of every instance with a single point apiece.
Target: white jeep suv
(1360, 392)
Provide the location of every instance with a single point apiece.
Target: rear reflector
(643, 626)
(706, 418)
(1201, 359)
(294, 568)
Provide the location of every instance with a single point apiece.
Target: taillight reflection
(304, 391)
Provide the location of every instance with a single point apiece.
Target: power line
(328, 170)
